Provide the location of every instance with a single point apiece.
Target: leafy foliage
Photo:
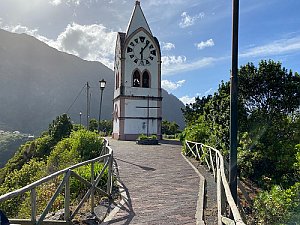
(269, 134)
(145, 137)
(77, 187)
(39, 148)
(30, 172)
(105, 126)
(46, 155)
(61, 127)
(269, 89)
(278, 206)
(169, 128)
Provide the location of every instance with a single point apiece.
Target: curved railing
(215, 163)
(107, 159)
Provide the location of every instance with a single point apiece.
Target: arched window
(146, 80)
(136, 79)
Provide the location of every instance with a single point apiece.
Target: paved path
(162, 188)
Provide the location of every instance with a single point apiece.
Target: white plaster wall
(117, 66)
(139, 126)
(116, 123)
(131, 109)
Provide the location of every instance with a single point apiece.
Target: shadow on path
(127, 213)
(170, 142)
(146, 168)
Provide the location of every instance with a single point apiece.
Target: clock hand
(141, 53)
(142, 49)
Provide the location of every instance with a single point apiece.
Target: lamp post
(102, 86)
(80, 114)
(234, 102)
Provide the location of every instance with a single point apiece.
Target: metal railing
(107, 159)
(218, 166)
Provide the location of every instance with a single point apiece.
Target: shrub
(278, 206)
(78, 187)
(30, 172)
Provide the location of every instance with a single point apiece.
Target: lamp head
(102, 84)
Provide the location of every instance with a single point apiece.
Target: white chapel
(137, 91)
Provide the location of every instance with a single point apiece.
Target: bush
(30, 172)
(145, 137)
(278, 206)
(77, 187)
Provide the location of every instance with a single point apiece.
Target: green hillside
(60, 147)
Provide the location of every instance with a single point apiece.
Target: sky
(195, 35)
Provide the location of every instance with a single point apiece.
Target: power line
(76, 98)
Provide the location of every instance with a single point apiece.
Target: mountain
(38, 82)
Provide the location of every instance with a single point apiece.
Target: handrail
(107, 157)
(215, 162)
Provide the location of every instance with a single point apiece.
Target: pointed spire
(137, 20)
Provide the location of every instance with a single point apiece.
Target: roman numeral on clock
(142, 39)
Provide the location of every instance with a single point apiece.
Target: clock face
(141, 50)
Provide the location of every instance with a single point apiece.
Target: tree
(93, 126)
(61, 127)
(193, 110)
(269, 89)
(169, 128)
(269, 97)
(106, 126)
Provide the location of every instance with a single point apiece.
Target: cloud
(165, 2)
(171, 86)
(20, 29)
(68, 2)
(187, 100)
(205, 44)
(90, 42)
(282, 46)
(177, 64)
(171, 60)
(167, 46)
(55, 2)
(187, 20)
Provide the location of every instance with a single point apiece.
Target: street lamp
(102, 86)
(234, 102)
(80, 114)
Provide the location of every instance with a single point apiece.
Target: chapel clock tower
(137, 92)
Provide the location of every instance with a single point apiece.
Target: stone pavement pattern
(161, 186)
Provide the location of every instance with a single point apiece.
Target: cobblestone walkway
(162, 188)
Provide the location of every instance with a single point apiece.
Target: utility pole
(87, 104)
(234, 102)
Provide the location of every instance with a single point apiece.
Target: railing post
(33, 205)
(109, 178)
(92, 188)
(67, 198)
